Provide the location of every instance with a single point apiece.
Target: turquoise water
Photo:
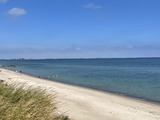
(138, 77)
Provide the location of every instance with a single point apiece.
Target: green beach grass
(20, 103)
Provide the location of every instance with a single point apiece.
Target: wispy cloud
(92, 6)
(16, 12)
(20, 51)
(3, 1)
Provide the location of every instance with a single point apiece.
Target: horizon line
(75, 58)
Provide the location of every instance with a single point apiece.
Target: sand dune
(86, 104)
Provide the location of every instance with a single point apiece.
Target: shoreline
(88, 101)
(89, 88)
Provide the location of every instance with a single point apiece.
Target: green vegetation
(20, 103)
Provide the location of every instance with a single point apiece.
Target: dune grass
(20, 103)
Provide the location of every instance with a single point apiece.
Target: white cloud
(16, 12)
(3, 1)
(92, 6)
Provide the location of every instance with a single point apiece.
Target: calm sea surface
(138, 77)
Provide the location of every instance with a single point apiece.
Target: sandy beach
(85, 104)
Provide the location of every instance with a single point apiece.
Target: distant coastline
(80, 58)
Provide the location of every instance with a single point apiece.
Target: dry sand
(86, 104)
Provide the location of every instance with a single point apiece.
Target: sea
(134, 77)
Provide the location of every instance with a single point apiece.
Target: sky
(79, 28)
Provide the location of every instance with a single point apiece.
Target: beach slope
(85, 104)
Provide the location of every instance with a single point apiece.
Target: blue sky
(79, 28)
